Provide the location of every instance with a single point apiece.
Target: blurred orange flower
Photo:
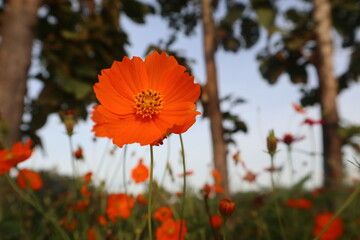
(87, 177)
(141, 199)
(102, 220)
(28, 178)
(216, 175)
(85, 192)
(119, 205)
(18, 153)
(91, 234)
(162, 214)
(218, 189)
(298, 108)
(69, 224)
(216, 221)
(78, 154)
(80, 205)
(335, 230)
(143, 101)
(170, 230)
(140, 173)
(188, 173)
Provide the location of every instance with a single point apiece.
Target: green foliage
(294, 51)
(76, 39)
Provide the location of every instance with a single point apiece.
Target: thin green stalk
(116, 170)
(38, 207)
(272, 167)
(289, 150)
(124, 169)
(150, 191)
(184, 186)
(166, 164)
(225, 229)
(101, 163)
(339, 211)
(313, 153)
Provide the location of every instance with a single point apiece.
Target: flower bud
(226, 207)
(271, 141)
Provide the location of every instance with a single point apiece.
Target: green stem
(289, 150)
(150, 191)
(184, 185)
(124, 169)
(272, 167)
(225, 229)
(339, 211)
(37, 206)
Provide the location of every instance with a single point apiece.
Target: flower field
(145, 102)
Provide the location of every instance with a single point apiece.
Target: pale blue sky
(267, 107)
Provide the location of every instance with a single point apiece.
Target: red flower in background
(335, 230)
(300, 203)
(249, 176)
(216, 221)
(162, 214)
(78, 154)
(170, 230)
(143, 101)
(226, 207)
(288, 139)
(141, 199)
(119, 205)
(140, 173)
(18, 153)
(28, 178)
(312, 122)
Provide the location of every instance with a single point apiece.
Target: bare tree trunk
(332, 143)
(19, 22)
(211, 96)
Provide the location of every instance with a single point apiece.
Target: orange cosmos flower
(119, 205)
(143, 101)
(170, 230)
(18, 153)
(249, 176)
(162, 214)
(28, 178)
(335, 229)
(216, 221)
(140, 173)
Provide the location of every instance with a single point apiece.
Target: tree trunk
(211, 97)
(332, 143)
(19, 22)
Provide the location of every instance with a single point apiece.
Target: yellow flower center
(171, 231)
(148, 103)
